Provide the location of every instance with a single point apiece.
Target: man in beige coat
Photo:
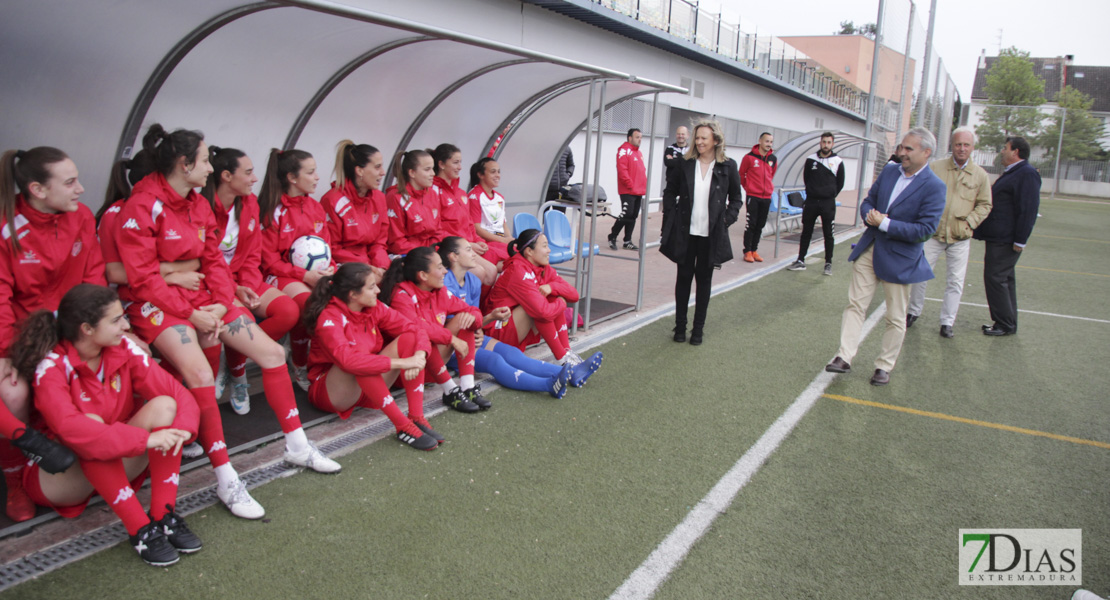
(968, 202)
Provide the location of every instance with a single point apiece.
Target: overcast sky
(963, 27)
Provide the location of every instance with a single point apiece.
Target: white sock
(449, 386)
(466, 381)
(225, 475)
(296, 441)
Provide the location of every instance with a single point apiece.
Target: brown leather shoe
(880, 377)
(748, 257)
(756, 256)
(838, 365)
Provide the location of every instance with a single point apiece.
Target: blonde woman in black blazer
(701, 200)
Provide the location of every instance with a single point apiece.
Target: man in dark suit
(901, 211)
(1017, 196)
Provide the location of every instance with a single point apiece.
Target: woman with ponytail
(537, 297)
(237, 215)
(351, 365)
(413, 203)
(166, 220)
(288, 213)
(356, 207)
(454, 210)
(47, 245)
(86, 376)
(508, 365)
(414, 285)
(487, 210)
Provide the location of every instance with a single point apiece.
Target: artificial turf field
(540, 498)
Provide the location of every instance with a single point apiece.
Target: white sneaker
(192, 451)
(300, 377)
(240, 395)
(238, 500)
(312, 458)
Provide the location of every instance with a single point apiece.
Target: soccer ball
(310, 253)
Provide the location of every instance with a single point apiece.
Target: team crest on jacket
(319, 226)
(200, 234)
(441, 318)
(115, 382)
(76, 248)
(250, 226)
(374, 219)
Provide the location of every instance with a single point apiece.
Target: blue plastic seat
(523, 221)
(777, 205)
(556, 227)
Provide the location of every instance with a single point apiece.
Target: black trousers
(999, 262)
(630, 211)
(810, 211)
(696, 266)
(757, 219)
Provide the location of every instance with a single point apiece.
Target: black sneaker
(178, 533)
(420, 442)
(153, 547)
(458, 401)
(630, 246)
(426, 427)
(51, 456)
(474, 394)
(797, 265)
(612, 242)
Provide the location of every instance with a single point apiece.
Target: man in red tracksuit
(631, 185)
(757, 169)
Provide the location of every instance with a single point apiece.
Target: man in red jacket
(757, 169)
(631, 185)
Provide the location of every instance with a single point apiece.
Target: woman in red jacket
(237, 215)
(537, 296)
(487, 210)
(85, 372)
(288, 213)
(166, 220)
(351, 365)
(413, 204)
(454, 210)
(356, 207)
(415, 287)
(48, 245)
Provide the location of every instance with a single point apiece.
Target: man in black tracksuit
(824, 178)
(674, 154)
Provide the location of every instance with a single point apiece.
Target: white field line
(645, 580)
(1032, 312)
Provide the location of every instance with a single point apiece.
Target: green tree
(867, 30)
(1011, 83)
(1081, 130)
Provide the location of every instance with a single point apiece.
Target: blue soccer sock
(493, 363)
(522, 361)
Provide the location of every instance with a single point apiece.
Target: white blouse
(699, 217)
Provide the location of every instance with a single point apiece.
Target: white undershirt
(230, 243)
(699, 216)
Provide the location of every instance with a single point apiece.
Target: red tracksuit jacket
(519, 285)
(430, 309)
(757, 171)
(66, 390)
(157, 225)
(454, 210)
(413, 222)
(352, 340)
(357, 224)
(241, 243)
(108, 232)
(294, 217)
(631, 172)
(58, 252)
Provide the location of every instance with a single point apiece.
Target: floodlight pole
(1059, 149)
(907, 76)
(869, 123)
(922, 97)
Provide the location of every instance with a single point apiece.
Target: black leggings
(696, 266)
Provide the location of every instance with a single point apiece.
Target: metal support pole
(580, 264)
(859, 184)
(717, 46)
(924, 93)
(870, 106)
(907, 76)
(644, 206)
(593, 207)
(1059, 149)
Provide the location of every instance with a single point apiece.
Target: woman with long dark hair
(414, 286)
(166, 220)
(701, 200)
(413, 203)
(86, 378)
(356, 207)
(351, 364)
(454, 209)
(487, 210)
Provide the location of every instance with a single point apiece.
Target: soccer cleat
(797, 265)
(756, 257)
(828, 269)
(300, 377)
(238, 500)
(582, 371)
(51, 456)
(19, 507)
(178, 533)
(457, 400)
(748, 257)
(241, 397)
(412, 436)
(192, 451)
(312, 458)
(630, 246)
(474, 394)
(560, 382)
(153, 547)
(426, 427)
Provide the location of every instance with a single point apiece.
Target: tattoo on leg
(240, 323)
(184, 331)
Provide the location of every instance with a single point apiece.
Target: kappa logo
(292, 413)
(76, 248)
(329, 323)
(172, 235)
(529, 276)
(44, 366)
(125, 494)
(219, 445)
(131, 224)
(352, 222)
(420, 388)
(85, 397)
(814, 167)
(517, 374)
(418, 218)
(287, 229)
(29, 258)
(391, 214)
(115, 209)
(387, 401)
(173, 478)
(450, 202)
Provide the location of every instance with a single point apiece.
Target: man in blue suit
(901, 211)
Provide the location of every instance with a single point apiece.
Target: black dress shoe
(997, 331)
(910, 320)
(880, 377)
(838, 365)
(680, 334)
(986, 327)
(695, 337)
(946, 331)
